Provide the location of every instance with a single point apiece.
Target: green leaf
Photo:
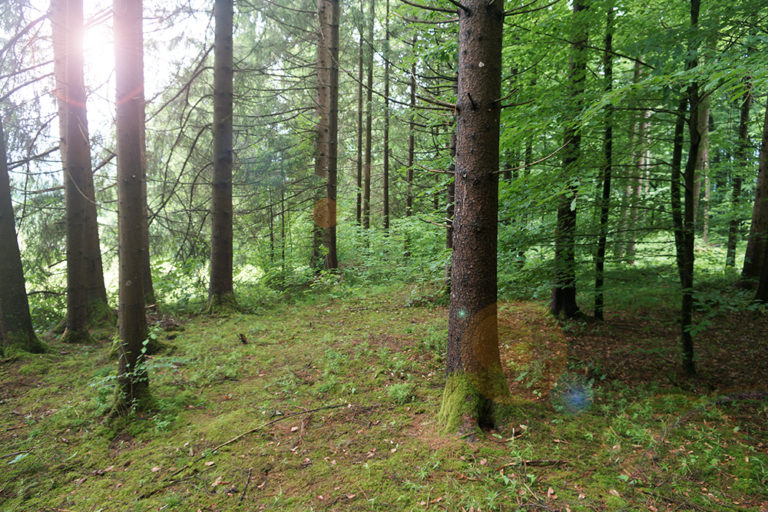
(18, 458)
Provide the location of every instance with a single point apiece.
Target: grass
(607, 424)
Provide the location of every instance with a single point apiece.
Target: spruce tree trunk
(368, 123)
(755, 257)
(563, 303)
(450, 209)
(475, 381)
(385, 198)
(358, 211)
(86, 294)
(606, 171)
(411, 139)
(14, 306)
(327, 127)
(221, 290)
(133, 383)
(762, 287)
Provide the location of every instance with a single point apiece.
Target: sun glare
(98, 50)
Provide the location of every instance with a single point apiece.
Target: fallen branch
(245, 487)
(537, 462)
(168, 480)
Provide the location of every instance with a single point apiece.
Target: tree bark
(385, 198)
(358, 212)
(563, 302)
(755, 257)
(368, 123)
(221, 290)
(685, 250)
(742, 145)
(326, 160)
(606, 170)
(14, 306)
(86, 294)
(133, 382)
(411, 138)
(475, 381)
(702, 157)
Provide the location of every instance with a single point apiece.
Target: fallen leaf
(614, 492)
(210, 463)
(156, 469)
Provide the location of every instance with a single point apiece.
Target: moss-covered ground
(607, 422)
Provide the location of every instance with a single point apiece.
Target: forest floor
(335, 401)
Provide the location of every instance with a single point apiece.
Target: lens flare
(572, 394)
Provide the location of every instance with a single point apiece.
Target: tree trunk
(133, 383)
(762, 287)
(606, 170)
(221, 291)
(702, 157)
(358, 212)
(411, 138)
(475, 381)
(385, 198)
(755, 257)
(327, 127)
(685, 252)
(86, 294)
(14, 306)
(146, 265)
(563, 302)
(368, 123)
(450, 209)
(741, 165)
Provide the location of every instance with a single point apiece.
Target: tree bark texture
(326, 160)
(738, 180)
(86, 294)
(563, 303)
(475, 384)
(702, 156)
(685, 250)
(606, 171)
(221, 290)
(133, 383)
(411, 138)
(359, 162)
(368, 122)
(755, 257)
(385, 187)
(14, 306)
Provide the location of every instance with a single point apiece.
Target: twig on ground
(169, 479)
(537, 462)
(245, 487)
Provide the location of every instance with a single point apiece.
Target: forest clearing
(372, 370)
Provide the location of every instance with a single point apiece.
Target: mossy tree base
(80, 336)
(124, 405)
(26, 341)
(221, 303)
(100, 314)
(473, 400)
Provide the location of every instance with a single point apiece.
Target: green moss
(26, 341)
(471, 400)
(77, 337)
(222, 303)
(100, 314)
